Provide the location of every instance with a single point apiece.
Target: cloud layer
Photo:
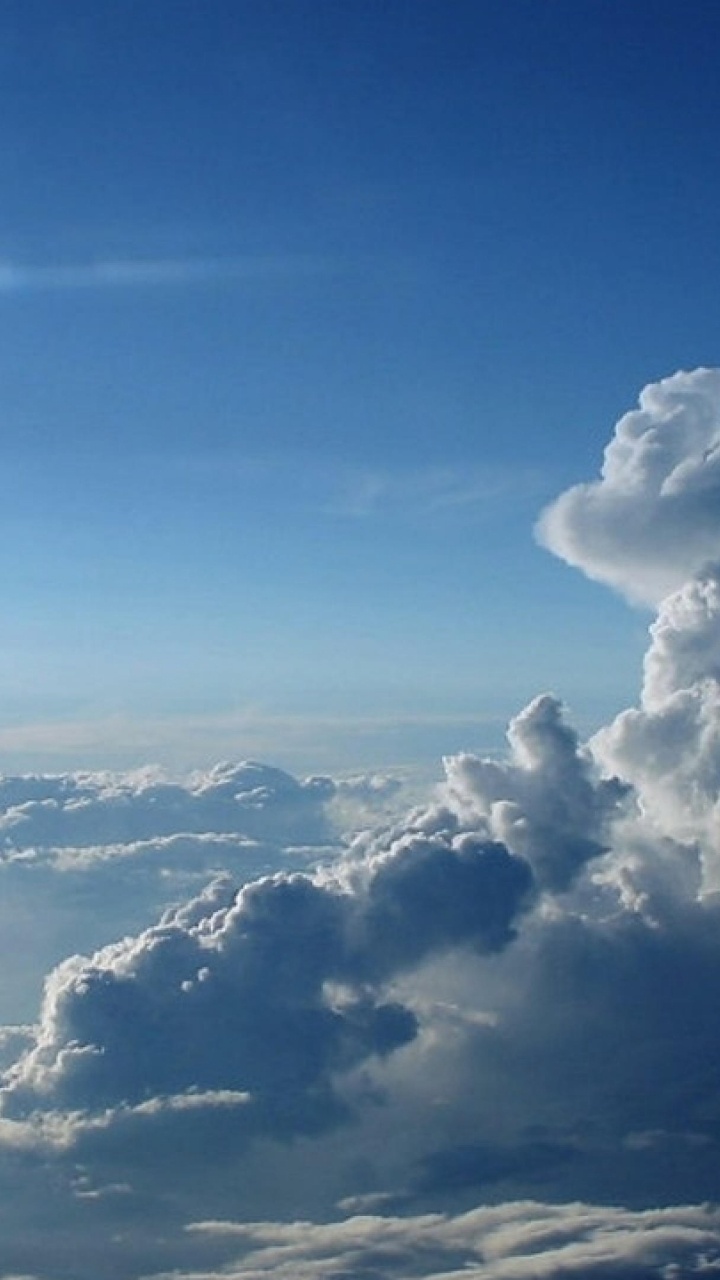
(503, 1242)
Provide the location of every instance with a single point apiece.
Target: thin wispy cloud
(315, 482)
(368, 492)
(123, 273)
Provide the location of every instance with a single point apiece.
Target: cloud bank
(478, 1038)
(505, 1242)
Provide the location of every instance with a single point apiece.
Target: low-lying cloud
(503, 1242)
(267, 991)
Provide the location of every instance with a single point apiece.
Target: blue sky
(307, 310)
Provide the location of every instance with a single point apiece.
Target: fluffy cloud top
(250, 799)
(267, 991)
(669, 746)
(653, 518)
(546, 803)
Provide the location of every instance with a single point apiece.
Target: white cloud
(88, 809)
(669, 746)
(544, 804)
(98, 855)
(652, 519)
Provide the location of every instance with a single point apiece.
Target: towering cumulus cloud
(545, 803)
(481, 1039)
(669, 746)
(651, 520)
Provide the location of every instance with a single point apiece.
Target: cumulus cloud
(374, 1015)
(651, 520)
(92, 809)
(650, 527)
(269, 990)
(669, 746)
(546, 803)
(509, 993)
(99, 855)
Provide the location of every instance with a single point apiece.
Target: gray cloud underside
(92, 809)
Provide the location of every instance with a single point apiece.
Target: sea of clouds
(475, 1037)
